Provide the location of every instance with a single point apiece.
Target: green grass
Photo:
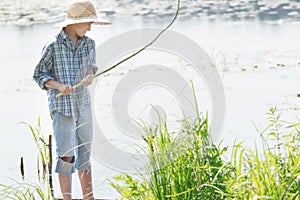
(42, 147)
(186, 165)
(24, 191)
(273, 173)
(28, 191)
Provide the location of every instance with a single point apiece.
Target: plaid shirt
(63, 62)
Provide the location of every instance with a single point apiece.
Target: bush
(188, 166)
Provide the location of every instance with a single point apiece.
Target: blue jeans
(73, 137)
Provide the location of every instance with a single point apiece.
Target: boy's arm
(65, 89)
(88, 78)
(91, 71)
(92, 68)
(42, 70)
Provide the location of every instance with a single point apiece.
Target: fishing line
(134, 54)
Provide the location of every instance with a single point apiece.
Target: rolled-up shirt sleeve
(42, 72)
(92, 58)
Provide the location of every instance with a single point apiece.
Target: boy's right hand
(65, 89)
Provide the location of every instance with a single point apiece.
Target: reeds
(273, 172)
(24, 191)
(43, 147)
(187, 165)
(28, 191)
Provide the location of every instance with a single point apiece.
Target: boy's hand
(87, 80)
(65, 89)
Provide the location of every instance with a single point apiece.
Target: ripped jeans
(73, 137)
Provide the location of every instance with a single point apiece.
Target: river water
(258, 62)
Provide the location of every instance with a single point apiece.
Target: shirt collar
(68, 42)
(64, 36)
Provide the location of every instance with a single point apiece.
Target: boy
(67, 60)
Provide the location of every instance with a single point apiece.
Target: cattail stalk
(22, 168)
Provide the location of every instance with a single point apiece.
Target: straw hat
(80, 12)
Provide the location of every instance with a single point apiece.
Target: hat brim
(96, 21)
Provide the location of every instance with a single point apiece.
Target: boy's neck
(72, 34)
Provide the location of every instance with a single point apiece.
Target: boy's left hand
(87, 80)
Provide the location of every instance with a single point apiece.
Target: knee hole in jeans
(69, 159)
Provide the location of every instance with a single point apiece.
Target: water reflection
(23, 13)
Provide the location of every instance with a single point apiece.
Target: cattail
(22, 168)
